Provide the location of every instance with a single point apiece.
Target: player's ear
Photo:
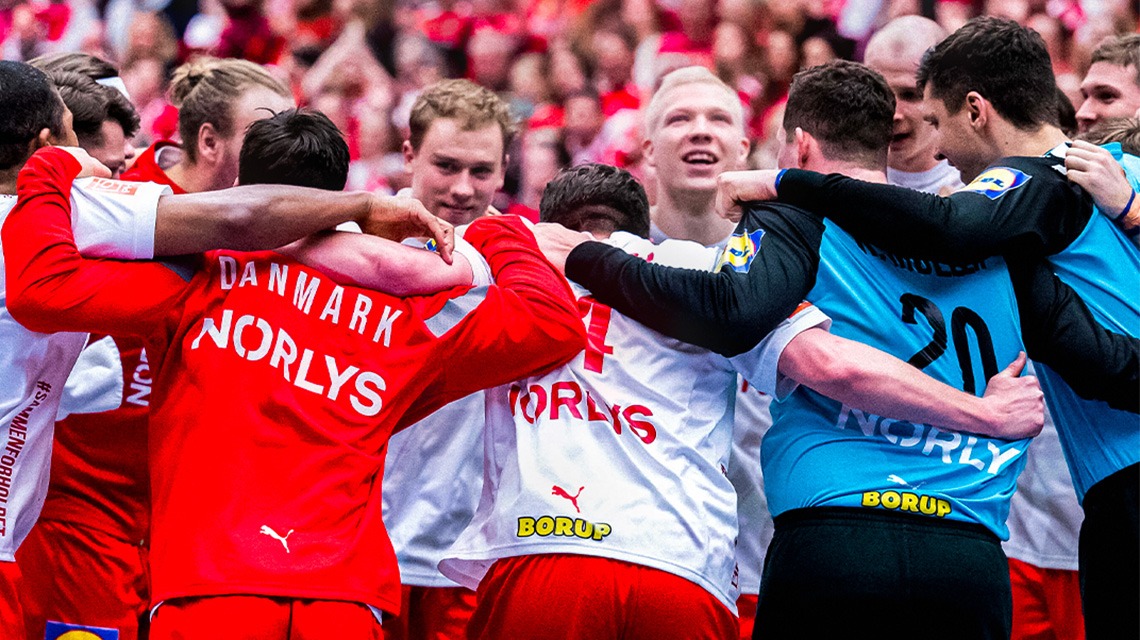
(210, 144)
(805, 144)
(978, 109)
(409, 155)
(43, 139)
(647, 149)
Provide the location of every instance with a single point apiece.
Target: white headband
(115, 82)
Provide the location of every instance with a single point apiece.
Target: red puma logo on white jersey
(559, 491)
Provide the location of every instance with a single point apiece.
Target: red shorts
(262, 618)
(1046, 603)
(78, 575)
(584, 598)
(432, 613)
(11, 615)
(746, 606)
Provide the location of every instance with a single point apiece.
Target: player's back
(276, 394)
(957, 322)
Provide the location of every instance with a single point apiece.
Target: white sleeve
(761, 366)
(96, 381)
(480, 270)
(115, 219)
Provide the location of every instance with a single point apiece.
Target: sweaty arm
(1020, 204)
(1061, 332)
(50, 287)
(866, 378)
(772, 262)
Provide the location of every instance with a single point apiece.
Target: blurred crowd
(575, 72)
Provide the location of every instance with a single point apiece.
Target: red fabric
(623, 98)
(265, 476)
(432, 613)
(746, 606)
(11, 614)
(81, 575)
(146, 169)
(586, 598)
(99, 476)
(1046, 603)
(259, 618)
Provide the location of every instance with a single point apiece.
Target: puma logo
(284, 540)
(559, 491)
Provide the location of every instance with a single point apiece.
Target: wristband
(780, 176)
(1118, 219)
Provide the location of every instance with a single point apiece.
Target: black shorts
(1110, 557)
(851, 573)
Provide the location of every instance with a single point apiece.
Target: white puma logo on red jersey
(284, 540)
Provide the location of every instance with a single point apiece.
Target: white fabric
(95, 383)
(110, 220)
(752, 420)
(930, 181)
(1044, 516)
(433, 474)
(648, 487)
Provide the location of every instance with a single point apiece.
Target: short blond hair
(472, 105)
(205, 89)
(686, 76)
(1126, 131)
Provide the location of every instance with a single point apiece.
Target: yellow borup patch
(741, 250)
(994, 182)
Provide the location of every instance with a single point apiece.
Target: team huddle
(241, 402)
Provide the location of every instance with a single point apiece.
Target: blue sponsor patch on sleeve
(63, 631)
(741, 250)
(992, 183)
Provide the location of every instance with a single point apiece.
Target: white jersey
(433, 474)
(110, 219)
(623, 452)
(1044, 515)
(752, 420)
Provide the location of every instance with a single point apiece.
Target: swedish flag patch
(63, 631)
(741, 250)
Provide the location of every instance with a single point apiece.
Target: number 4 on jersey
(596, 329)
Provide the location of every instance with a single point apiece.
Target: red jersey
(277, 390)
(99, 473)
(147, 169)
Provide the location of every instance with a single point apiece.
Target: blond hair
(1126, 131)
(205, 90)
(472, 105)
(686, 76)
(1122, 51)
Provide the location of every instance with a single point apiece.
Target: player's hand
(1096, 171)
(400, 217)
(735, 187)
(556, 242)
(89, 167)
(1017, 406)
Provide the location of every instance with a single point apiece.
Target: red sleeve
(526, 324)
(50, 287)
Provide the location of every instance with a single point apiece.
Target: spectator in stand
(247, 34)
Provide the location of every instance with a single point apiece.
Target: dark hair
(87, 102)
(1001, 60)
(29, 104)
(1066, 114)
(117, 107)
(298, 147)
(596, 197)
(847, 107)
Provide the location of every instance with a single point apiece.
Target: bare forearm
(863, 377)
(250, 218)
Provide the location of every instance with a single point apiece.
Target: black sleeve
(1040, 214)
(728, 312)
(1060, 331)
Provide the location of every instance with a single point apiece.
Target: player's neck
(690, 216)
(851, 170)
(192, 177)
(8, 181)
(1011, 141)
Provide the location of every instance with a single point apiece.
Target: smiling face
(1110, 91)
(696, 136)
(913, 139)
(456, 172)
